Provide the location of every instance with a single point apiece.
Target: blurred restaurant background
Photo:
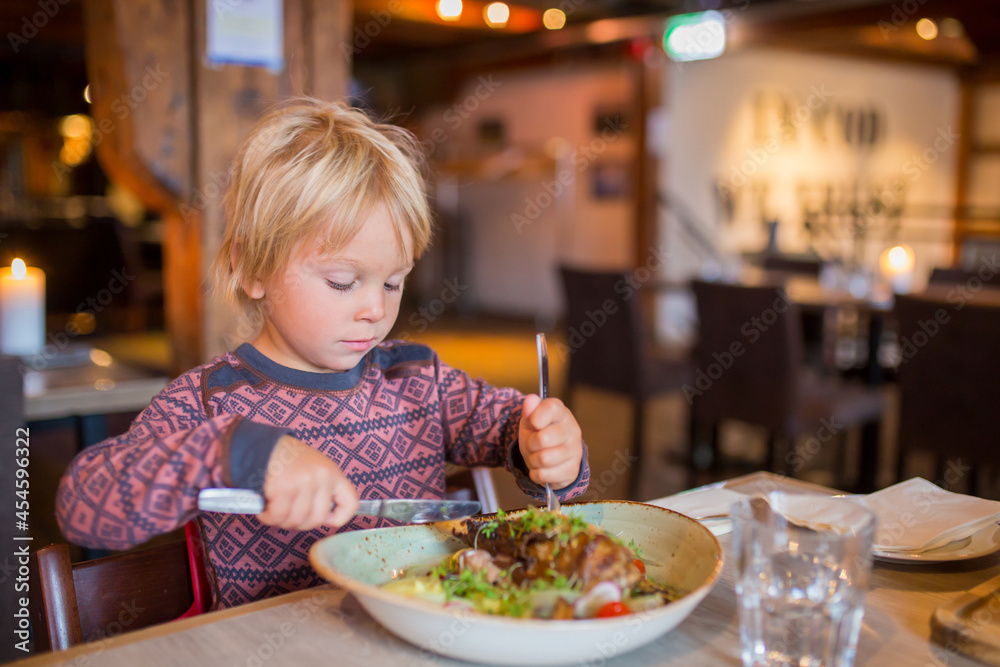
(759, 233)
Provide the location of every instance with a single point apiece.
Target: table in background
(67, 405)
(326, 624)
(88, 392)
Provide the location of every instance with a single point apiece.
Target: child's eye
(341, 287)
(389, 287)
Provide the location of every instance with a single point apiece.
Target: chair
(610, 349)
(86, 601)
(471, 484)
(750, 368)
(793, 264)
(949, 381)
(944, 276)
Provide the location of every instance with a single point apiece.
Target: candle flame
(18, 269)
(898, 257)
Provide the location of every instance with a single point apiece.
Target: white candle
(897, 268)
(22, 309)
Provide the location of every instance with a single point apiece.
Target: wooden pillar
(169, 126)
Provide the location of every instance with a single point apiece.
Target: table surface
(88, 389)
(324, 625)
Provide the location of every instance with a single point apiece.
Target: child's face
(325, 311)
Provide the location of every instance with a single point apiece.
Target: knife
(407, 510)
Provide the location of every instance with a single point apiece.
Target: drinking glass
(801, 583)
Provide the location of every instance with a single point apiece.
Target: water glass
(801, 584)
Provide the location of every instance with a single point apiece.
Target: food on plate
(538, 564)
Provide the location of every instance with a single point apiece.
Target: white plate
(982, 543)
(677, 549)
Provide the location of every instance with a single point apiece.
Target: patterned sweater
(390, 423)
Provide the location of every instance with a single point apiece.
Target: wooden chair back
(87, 601)
(949, 376)
(947, 276)
(748, 355)
(606, 342)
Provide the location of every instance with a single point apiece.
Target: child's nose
(373, 307)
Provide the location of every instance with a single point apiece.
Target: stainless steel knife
(407, 510)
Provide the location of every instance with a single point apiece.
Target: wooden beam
(138, 65)
(966, 132)
(169, 126)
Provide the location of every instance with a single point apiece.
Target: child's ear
(253, 288)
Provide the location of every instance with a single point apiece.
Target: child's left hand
(550, 440)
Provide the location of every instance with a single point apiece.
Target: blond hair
(315, 171)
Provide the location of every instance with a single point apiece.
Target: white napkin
(823, 513)
(917, 515)
(711, 501)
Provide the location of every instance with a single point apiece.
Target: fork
(543, 391)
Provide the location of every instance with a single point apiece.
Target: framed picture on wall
(610, 179)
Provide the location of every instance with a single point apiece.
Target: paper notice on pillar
(245, 32)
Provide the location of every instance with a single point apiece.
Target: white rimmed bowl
(677, 549)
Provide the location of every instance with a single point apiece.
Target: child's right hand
(300, 487)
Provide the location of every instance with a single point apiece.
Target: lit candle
(22, 309)
(897, 268)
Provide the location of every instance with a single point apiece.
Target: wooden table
(325, 626)
(88, 389)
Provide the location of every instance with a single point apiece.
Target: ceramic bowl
(677, 549)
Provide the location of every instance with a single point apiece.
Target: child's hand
(550, 440)
(300, 487)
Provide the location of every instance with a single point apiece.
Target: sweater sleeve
(480, 424)
(130, 488)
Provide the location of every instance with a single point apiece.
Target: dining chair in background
(750, 367)
(949, 383)
(611, 348)
(793, 265)
(73, 603)
(947, 276)
(474, 483)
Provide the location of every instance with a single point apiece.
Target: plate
(982, 543)
(676, 548)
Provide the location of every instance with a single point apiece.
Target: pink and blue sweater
(390, 423)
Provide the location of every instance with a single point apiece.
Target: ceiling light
(496, 14)
(449, 10)
(927, 29)
(554, 19)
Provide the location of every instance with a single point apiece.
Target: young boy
(327, 212)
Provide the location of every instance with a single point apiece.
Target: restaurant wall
(768, 135)
(535, 169)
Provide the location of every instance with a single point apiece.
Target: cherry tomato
(612, 609)
(639, 565)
